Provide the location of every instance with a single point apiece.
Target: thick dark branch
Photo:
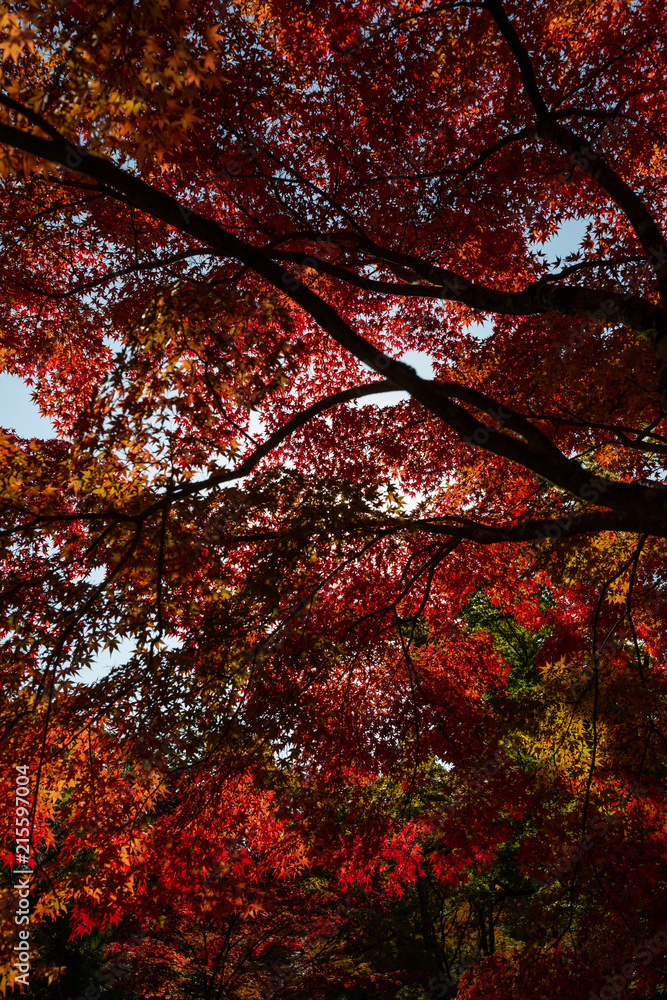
(537, 298)
(595, 166)
(278, 436)
(568, 475)
(32, 116)
(589, 160)
(540, 529)
(519, 52)
(242, 470)
(357, 280)
(503, 416)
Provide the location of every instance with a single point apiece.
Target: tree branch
(539, 529)
(590, 161)
(550, 463)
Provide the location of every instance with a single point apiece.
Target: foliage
(387, 711)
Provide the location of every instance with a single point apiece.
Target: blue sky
(18, 412)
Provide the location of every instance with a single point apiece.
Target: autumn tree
(371, 647)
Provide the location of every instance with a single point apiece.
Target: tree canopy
(387, 713)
